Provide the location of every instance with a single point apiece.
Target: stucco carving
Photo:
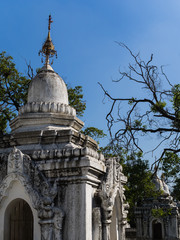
(58, 221)
(42, 193)
(110, 187)
(46, 107)
(3, 166)
(67, 152)
(46, 230)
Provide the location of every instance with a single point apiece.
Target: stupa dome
(47, 86)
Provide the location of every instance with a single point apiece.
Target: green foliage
(131, 101)
(114, 150)
(176, 104)
(93, 132)
(13, 90)
(76, 100)
(144, 128)
(139, 185)
(176, 97)
(137, 123)
(161, 213)
(176, 189)
(158, 106)
(170, 165)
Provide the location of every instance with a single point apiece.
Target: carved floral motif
(45, 107)
(111, 186)
(41, 192)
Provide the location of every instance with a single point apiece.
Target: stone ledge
(65, 172)
(45, 140)
(67, 153)
(41, 121)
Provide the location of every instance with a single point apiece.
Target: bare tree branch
(158, 113)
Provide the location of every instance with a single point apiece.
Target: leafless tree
(155, 112)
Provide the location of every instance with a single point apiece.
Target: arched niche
(17, 190)
(116, 226)
(157, 230)
(18, 221)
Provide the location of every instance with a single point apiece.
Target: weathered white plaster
(45, 121)
(47, 86)
(78, 208)
(15, 191)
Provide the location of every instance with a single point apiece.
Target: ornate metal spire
(48, 50)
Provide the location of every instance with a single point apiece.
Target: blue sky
(84, 34)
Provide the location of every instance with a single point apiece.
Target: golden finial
(48, 50)
(50, 21)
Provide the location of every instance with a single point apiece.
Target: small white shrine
(158, 218)
(54, 184)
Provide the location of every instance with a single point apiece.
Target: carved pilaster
(106, 230)
(46, 230)
(111, 186)
(97, 225)
(58, 223)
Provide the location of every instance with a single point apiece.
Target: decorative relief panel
(58, 153)
(112, 187)
(46, 107)
(41, 192)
